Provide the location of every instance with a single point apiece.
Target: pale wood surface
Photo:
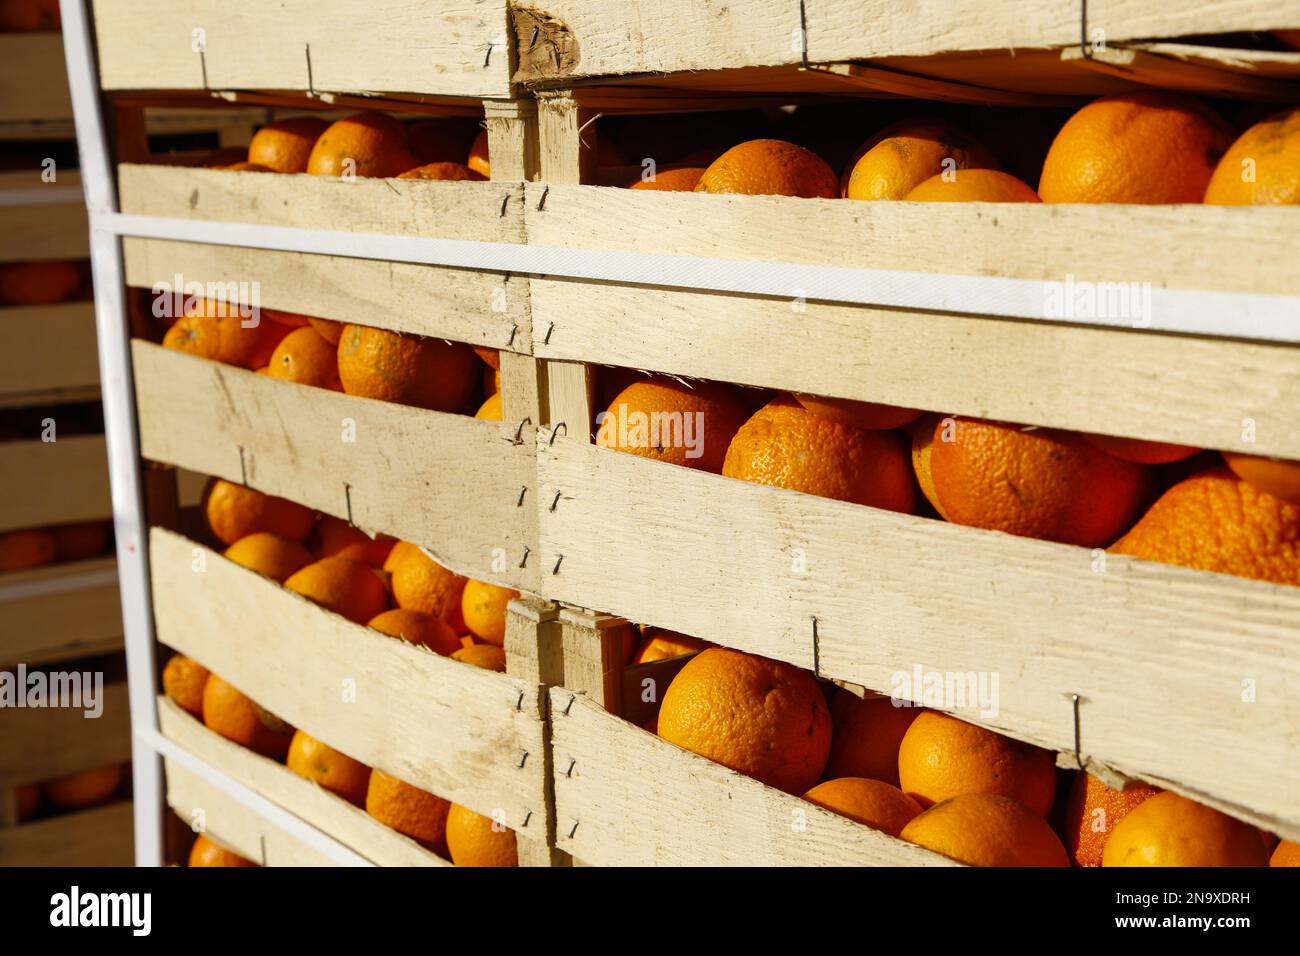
(43, 483)
(79, 621)
(626, 798)
(33, 80)
(567, 140)
(48, 349)
(57, 231)
(350, 825)
(390, 46)
(512, 139)
(453, 729)
(751, 566)
(40, 744)
(102, 836)
(449, 483)
(593, 655)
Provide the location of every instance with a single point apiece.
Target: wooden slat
(394, 46)
(60, 612)
(44, 483)
(38, 744)
(626, 798)
(33, 81)
(103, 836)
(450, 483)
(31, 233)
(1159, 653)
(451, 728)
(241, 829)
(47, 351)
(1199, 78)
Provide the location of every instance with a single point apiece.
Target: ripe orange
(304, 357)
(214, 330)
(29, 548)
(409, 810)
(764, 718)
(445, 171)
(1217, 522)
(407, 369)
(27, 799)
(785, 445)
(478, 159)
(235, 511)
(1169, 830)
(986, 829)
(1145, 147)
(336, 772)
(673, 179)
(900, 157)
(488, 656)
(269, 554)
(870, 415)
(873, 803)
(483, 607)
(345, 587)
(236, 717)
(769, 167)
(327, 329)
(1040, 483)
(1139, 451)
(1285, 854)
(661, 645)
(284, 146)
(183, 681)
(38, 283)
(942, 757)
(476, 840)
(85, 789)
(421, 583)
(364, 144)
(206, 852)
(668, 420)
(1262, 166)
(973, 185)
(416, 627)
(1093, 811)
(1273, 476)
(335, 538)
(490, 410)
(80, 540)
(868, 732)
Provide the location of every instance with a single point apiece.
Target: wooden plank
(45, 743)
(456, 730)
(450, 483)
(626, 798)
(397, 46)
(31, 233)
(593, 655)
(103, 836)
(56, 482)
(1162, 655)
(1185, 76)
(241, 829)
(567, 140)
(512, 139)
(48, 350)
(32, 78)
(570, 399)
(60, 612)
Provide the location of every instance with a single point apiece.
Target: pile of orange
(46, 282)
(76, 791)
(56, 544)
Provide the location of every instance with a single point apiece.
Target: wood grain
(71, 619)
(48, 350)
(43, 483)
(56, 231)
(33, 78)
(40, 744)
(103, 836)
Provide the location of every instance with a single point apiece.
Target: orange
(1140, 451)
(407, 809)
(327, 329)
(269, 554)
(942, 757)
(205, 852)
(922, 433)
(1262, 167)
(902, 156)
(363, 144)
(29, 548)
(490, 410)
(345, 587)
(80, 541)
(986, 829)
(972, 185)
(785, 445)
(1092, 812)
(284, 146)
(235, 511)
(483, 606)
(183, 681)
(1169, 830)
(422, 584)
(336, 772)
(766, 719)
(335, 538)
(38, 283)
(85, 789)
(668, 420)
(407, 369)
(872, 803)
(661, 645)
(868, 732)
(769, 167)
(1145, 147)
(416, 627)
(236, 717)
(671, 179)
(246, 167)
(1216, 522)
(476, 840)
(292, 319)
(214, 330)
(478, 159)
(847, 411)
(1273, 476)
(488, 656)
(446, 171)
(304, 357)
(1040, 483)
(1286, 854)
(27, 798)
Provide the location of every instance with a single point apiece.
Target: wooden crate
(48, 354)
(40, 220)
(102, 836)
(44, 483)
(40, 744)
(60, 612)
(33, 80)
